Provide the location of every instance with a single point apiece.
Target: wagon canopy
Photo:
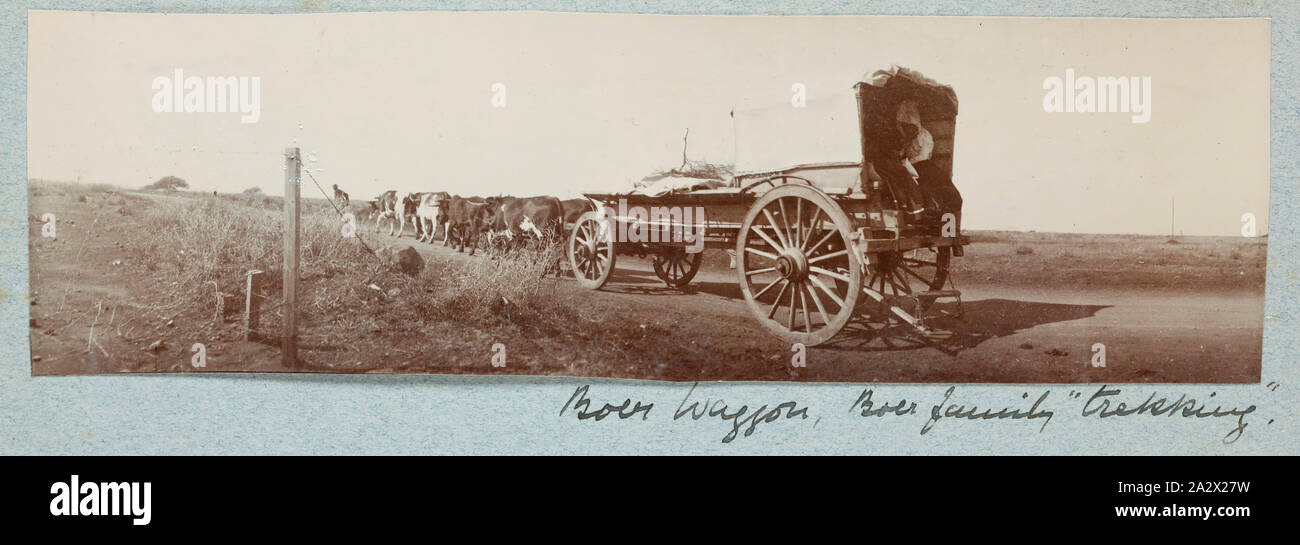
(937, 99)
(835, 131)
(879, 96)
(780, 136)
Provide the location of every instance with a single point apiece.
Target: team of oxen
(464, 219)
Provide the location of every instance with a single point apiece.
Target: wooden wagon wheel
(794, 244)
(591, 250)
(911, 275)
(675, 266)
(772, 181)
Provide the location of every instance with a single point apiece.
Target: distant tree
(253, 191)
(168, 183)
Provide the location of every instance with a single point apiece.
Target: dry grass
(514, 285)
(210, 242)
(206, 247)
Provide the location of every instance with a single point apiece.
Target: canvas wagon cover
(937, 97)
(783, 136)
(826, 131)
(883, 91)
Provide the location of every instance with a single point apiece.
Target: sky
(595, 102)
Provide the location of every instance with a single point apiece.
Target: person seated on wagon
(902, 141)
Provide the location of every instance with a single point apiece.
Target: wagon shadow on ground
(729, 289)
(632, 276)
(634, 281)
(982, 320)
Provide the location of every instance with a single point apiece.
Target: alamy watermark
(211, 94)
(637, 224)
(1101, 94)
(75, 498)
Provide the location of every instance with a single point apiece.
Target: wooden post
(251, 303)
(289, 340)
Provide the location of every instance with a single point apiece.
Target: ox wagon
(815, 243)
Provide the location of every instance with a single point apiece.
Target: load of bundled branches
(691, 169)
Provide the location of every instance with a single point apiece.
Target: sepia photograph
(662, 197)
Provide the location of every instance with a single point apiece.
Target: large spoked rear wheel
(675, 266)
(591, 251)
(797, 267)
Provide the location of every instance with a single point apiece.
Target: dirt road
(1165, 310)
(1008, 333)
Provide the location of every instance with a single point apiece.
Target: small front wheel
(591, 250)
(675, 266)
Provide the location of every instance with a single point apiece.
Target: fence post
(289, 340)
(251, 303)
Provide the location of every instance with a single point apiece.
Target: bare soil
(1183, 309)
